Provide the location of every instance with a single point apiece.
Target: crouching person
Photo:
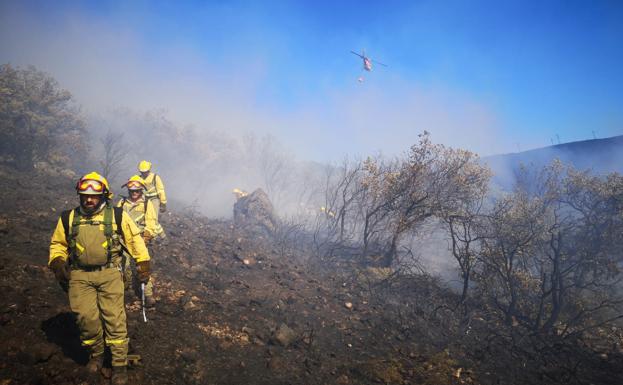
(85, 255)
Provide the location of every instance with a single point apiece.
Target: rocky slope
(236, 308)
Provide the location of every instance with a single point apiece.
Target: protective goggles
(134, 185)
(90, 186)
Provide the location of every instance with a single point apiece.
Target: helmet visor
(91, 187)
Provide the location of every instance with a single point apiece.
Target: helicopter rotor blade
(353, 52)
(378, 62)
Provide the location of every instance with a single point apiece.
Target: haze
(488, 77)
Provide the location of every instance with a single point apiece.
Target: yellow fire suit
(96, 289)
(144, 215)
(154, 191)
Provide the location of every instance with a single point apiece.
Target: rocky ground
(236, 308)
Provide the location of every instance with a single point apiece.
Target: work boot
(95, 364)
(119, 375)
(150, 301)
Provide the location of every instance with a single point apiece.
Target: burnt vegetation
(335, 293)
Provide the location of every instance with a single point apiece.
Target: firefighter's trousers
(97, 299)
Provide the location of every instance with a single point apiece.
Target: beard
(92, 209)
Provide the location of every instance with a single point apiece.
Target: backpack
(151, 192)
(125, 199)
(109, 212)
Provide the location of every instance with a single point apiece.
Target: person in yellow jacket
(85, 256)
(144, 214)
(154, 189)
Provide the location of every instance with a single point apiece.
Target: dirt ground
(235, 309)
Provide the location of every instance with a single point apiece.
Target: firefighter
(85, 256)
(144, 214)
(154, 189)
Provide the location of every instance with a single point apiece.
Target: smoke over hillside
(600, 156)
(201, 167)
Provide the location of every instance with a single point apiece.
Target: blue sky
(491, 76)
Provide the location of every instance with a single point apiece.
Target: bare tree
(115, 153)
(432, 179)
(275, 167)
(462, 225)
(371, 205)
(550, 252)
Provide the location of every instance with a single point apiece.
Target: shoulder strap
(121, 202)
(75, 226)
(65, 221)
(108, 218)
(108, 221)
(118, 213)
(153, 180)
(70, 236)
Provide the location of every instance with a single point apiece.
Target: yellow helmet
(93, 184)
(144, 166)
(135, 183)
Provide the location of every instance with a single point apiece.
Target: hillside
(231, 309)
(340, 295)
(599, 155)
(238, 309)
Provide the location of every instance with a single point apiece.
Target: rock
(348, 305)
(4, 225)
(36, 353)
(189, 306)
(277, 364)
(224, 345)
(343, 380)
(42, 352)
(106, 372)
(198, 268)
(256, 340)
(386, 372)
(248, 331)
(188, 354)
(457, 373)
(255, 212)
(183, 297)
(192, 275)
(284, 336)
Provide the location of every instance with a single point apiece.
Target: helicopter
(367, 62)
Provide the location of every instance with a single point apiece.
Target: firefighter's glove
(163, 208)
(61, 270)
(142, 271)
(147, 237)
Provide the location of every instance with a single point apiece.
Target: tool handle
(143, 301)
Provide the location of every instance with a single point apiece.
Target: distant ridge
(602, 156)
